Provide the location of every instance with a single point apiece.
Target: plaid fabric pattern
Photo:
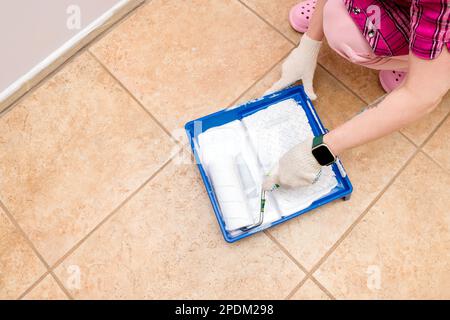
(393, 28)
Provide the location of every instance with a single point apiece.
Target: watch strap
(317, 140)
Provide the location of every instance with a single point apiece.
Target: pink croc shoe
(391, 79)
(300, 15)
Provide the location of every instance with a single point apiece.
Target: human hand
(300, 65)
(296, 168)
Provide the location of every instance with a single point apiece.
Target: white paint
(259, 141)
(223, 151)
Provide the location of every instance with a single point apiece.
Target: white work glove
(300, 65)
(296, 168)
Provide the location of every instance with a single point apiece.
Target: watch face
(323, 155)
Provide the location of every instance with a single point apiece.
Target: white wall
(30, 30)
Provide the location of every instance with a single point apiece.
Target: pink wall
(30, 30)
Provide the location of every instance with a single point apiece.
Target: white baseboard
(68, 49)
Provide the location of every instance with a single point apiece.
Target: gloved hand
(300, 65)
(296, 168)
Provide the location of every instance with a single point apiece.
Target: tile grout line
(345, 85)
(344, 235)
(39, 84)
(359, 218)
(316, 282)
(230, 105)
(104, 221)
(308, 275)
(30, 243)
(124, 87)
(40, 279)
(422, 144)
(82, 50)
(296, 288)
(364, 101)
(254, 84)
(50, 269)
(430, 136)
(86, 48)
(415, 144)
(432, 160)
(322, 287)
(154, 118)
(285, 251)
(363, 214)
(298, 264)
(77, 53)
(296, 44)
(21, 231)
(373, 202)
(82, 240)
(265, 21)
(61, 285)
(33, 285)
(409, 139)
(135, 99)
(111, 214)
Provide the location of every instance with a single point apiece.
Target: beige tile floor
(94, 202)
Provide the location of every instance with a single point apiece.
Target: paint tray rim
(195, 127)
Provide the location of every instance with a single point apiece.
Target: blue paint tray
(193, 128)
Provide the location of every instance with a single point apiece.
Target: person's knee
(342, 34)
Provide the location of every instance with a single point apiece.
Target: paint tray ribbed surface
(235, 148)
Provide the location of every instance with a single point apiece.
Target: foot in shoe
(301, 14)
(391, 79)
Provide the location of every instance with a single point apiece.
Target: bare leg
(315, 29)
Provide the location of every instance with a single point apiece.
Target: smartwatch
(322, 152)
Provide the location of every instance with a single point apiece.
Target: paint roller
(236, 191)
